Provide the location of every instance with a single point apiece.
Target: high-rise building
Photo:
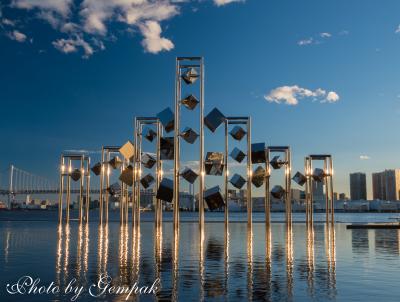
(386, 185)
(318, 191)
(358, 186)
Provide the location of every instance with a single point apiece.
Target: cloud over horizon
(85, 25)
(291, 95)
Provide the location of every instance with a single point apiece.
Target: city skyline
(325, 73)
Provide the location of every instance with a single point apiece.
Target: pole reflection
(175, 265)
(310, 258)
(66, 252)
(123, 253)
(330, 249)
(250, 264)
(201, 263)
(158, 255)
(136, 246)
(226, 262)
(289, 259)
(102, 246)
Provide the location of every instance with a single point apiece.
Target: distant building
(335, 196)
(386, 185)
(358, 186)
(318, 191)
(342, 196)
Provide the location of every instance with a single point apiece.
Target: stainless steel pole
(249, 171)
(226, 176)
(60, 193)
(201, 159)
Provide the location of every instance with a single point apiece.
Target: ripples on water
(284, 264)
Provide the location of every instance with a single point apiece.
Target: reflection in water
(330, 248)
(289, 260)
(158, 255)
(175, 265)
(123, 254)
(360, 241)
(387, 242)
(249, 264)
(310, 259)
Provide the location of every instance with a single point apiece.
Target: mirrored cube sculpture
(149, 134)
(276, 162)
(166, 118)
(127, 150)
(237, 155)
(96, 169)
(318, 175)
(278, 192)
(189, 135)
(214, 119)
(127, 176)
(166, 148)
(190, 75)
(214, 163)
(147, 181)
(166, 190)
(115, 162)
(299, 178)
(190, 102)
(258, 177)
(237, 133)
(148, 160)
(213, 198)
(258, 153)
(189, 175)
(114, 189)
(76, 174)
(237, 181)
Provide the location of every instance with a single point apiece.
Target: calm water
(298, 264)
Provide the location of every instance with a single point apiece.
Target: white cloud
(224, 2)
(325, 35)
(397, 31)
(8, 22)
(71, 45)
(290, 95)
(153, 42)
(86, 23)
(17, 36)
(61, 7)
(305, 42)
(364, 157)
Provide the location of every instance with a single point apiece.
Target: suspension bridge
(15, 181)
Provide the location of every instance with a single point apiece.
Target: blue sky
(74, 74)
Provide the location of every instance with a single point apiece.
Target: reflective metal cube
(214, 119)
(189, 135)
(127, 176)
(147, 181)
(213, 198)
(258, 153)
(190, 75)
(96, 169)
(237, 155)
(190, 102)
(276, 162)
(189, 175)
(167, 148)
(167, 118)
(299, 178)
(148, 160)
(165, 190)
(258, 177)
(237, 181)
(149, 134)
(76, 174)
(114, 189)
(127, 150)
(115, 162)
(237, 133)
(318, 175)
(214, 163)
(278, 192)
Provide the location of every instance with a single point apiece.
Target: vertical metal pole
(10, 187)
(267, 193)
(326, 192)
(249, 171)
(287, 185)
(134, 175)
(139, 170)
(60, 193)
(226, 176)
(307, 189)
(159, 175)
(311, 190)
(121, 199)
(177, 146)
(201, 159)
(87, 188)
(81, 184)
(108, 171)
(331, 185)
(68, 189)
(102, 172)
